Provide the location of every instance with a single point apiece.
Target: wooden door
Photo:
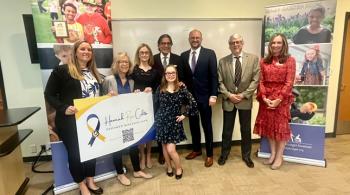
(343, 119)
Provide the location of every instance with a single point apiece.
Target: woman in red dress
(275, 98)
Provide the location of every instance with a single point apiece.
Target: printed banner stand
(306, 145)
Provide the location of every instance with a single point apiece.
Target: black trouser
(245, 123)
(205, 114)
(79, 170)
(134, 157)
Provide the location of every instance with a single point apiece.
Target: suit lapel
(244, 64)
(229, 64)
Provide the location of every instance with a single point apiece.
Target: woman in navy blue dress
(171, 97)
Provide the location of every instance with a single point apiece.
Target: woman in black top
(146, 79)
(77, 79)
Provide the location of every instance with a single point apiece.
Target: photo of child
(63, 52)
(312, 72)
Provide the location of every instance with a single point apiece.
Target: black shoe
(222, 160)
(97, 191)
(170, 174)
(248, 162)
(179, 176)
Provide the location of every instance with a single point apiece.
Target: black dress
(168, 130)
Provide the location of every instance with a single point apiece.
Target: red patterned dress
(276, 82)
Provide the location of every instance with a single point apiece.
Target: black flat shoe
(99, 190)
(179, 176)
(170, 174)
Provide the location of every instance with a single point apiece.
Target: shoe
(248, 162)
(161, 159)
(208, 162)
(99, 190)
(124, 180)
(276, 167)
(141, 174)
(222, 160)
(149, 165)
(267, 162)
(170, 174)
(179, 176)
(193, 155)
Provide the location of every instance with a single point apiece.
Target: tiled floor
(232, 178)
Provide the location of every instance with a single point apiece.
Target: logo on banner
(94, 131)
(295, 139)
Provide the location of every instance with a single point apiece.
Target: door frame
(347, 20)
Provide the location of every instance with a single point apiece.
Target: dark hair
(70, 5)
(318, 8)
(284, 52)
(165, 36)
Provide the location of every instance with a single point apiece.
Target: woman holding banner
(77, 79)
(121, 83)
(146, 79)
(275, 98)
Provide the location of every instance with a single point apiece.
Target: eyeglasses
(123, 62)
(165, 43)
(143, 52)
(170, 73)
(235, 42)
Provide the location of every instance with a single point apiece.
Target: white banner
(108, 124)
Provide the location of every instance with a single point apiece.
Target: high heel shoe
(170, 174)
(276, 167)
(179, 176)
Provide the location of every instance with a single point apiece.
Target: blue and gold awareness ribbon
(94, 132)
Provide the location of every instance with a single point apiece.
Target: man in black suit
(165, 57)
(199, 73)
(161, 60)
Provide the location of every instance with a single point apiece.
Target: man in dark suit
(161, 60)
(238, 75)
(199, 73)
(165, 57)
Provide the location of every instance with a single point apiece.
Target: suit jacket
(110, 83)
(174, 59)
(61, 89)
(249, 80)
(203, 83)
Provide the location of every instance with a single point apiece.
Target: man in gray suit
(238, 75)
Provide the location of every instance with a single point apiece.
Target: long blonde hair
(74, 66)
(164, 82)
(115, 66)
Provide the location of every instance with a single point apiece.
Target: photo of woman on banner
(77, 79)
(120, 82)
(312, 72)
(314, 31)
(302, 23)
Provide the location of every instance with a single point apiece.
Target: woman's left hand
(180, 118)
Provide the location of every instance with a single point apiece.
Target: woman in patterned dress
(171, 97)
(275, 98)
(77, 79)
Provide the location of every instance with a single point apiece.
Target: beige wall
(126, 9)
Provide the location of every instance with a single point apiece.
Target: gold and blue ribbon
(94, 132)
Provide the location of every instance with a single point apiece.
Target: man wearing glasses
(238, 79)
(161, 60)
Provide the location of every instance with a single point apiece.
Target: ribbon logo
(94, 132)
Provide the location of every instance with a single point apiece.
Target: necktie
(238, 71)
(193, 61)
(165, 61)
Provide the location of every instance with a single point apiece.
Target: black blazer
(174, 59)
(203, 83)
(61, 89)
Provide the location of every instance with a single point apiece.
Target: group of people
(92, 25)
(192, 80)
